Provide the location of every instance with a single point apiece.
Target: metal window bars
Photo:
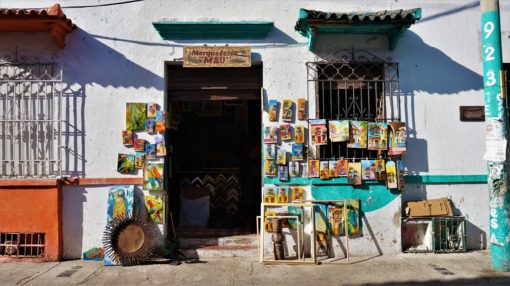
(30, 118)
(21, 245)
(353, 85)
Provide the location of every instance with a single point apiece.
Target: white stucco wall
(116, 56)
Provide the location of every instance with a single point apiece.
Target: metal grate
(449, 234)
(354, 85)
(30, 119)
(22, 245)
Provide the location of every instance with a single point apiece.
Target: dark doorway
(215, 149)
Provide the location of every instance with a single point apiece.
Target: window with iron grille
(19, 245)
(353, 86)
(30, 119)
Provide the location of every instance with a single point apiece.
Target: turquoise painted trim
(292, 181)
(213, 30)
(372, 196)
(446, 179)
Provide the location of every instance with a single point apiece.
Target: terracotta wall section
(33, 209)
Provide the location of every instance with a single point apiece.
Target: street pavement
(472, 268)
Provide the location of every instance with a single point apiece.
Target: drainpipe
(495, 136)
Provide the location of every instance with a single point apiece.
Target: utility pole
(495, 136)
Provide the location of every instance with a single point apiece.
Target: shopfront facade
(134, 52)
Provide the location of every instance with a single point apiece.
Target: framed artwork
(155, 205)
(343, 168)
(333, 169)
(294, 170)
(397, 138)
(269, 168)
(283, 194)
(150, 151)
(377, 136)
(380, 169)
(299, 134)
(127, 137)
(139, 160)
(269, 194)
(271, 134)
(297, 194)
(125, 163)
(152, 108)
(283, 173)
(313, 168)
(285, 132)
(301, 107)
(160, 146)
(270, 151)
(358, 134)
(161, 121)
(400, 175)
(319, 132)
(136, 114)
(281, 157)
(287, 110)
(339, 130)
(354, 174)
(368, 170)
(297, 152)
(273, 110)
(139, 145)
(150, 125)
(324, 170)
(153, 176)
(391, 175)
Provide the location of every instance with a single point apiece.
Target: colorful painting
(273, 110)
(271, 134)
(270, 151)
(354, 174)
(322, 228)
(297, 194)
(285, 133)
(400, 175)
(125, 163)
(380, 169)
(299, 134)
(358, 134)
(127, 137)
(269, 168)
(297, 152)
(150, 151)
(301, 107)
(281, 157)
(155, 208)
(368, 170)
(338, 216)
(343, 168)
(333, 169)
(319, 132)
(120, 204)
(160, 146)
(313, 168)
(161, 121)
(391, 175)
(287, 110)
(338, 130)
(397, 138)
(377, 136)
(283, 194)
(152, 108)
(139, 145)
(294, 169)
(150, 125)
(136, 114)
(139, 160)
(95, 253)
(324, 170)
(269, 194)
(153, 176)
(283, 173)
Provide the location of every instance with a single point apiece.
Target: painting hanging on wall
(377, 136)
(127, 137)
(269, 168)
(343, 168)
(273, 110)
(391, 175)
(136, 114)
(150, 125)
(333, 169)
(271, 134)
(160, 146)
(368, 171)
(299, 134)
(301, 107)
(294, 170)
(313, 168)
(139, 159)
(150, 151)
(297, 194)
(297, 152)
(281, 157)
(354, 174)
(283, 173)
(153, 177)
(139, 145)
(287, 110)
(270, 151)
(269, 195)
(161, 121)
(400, 175)
(155, 205)
(319, 132)
(285, 132)
(152, 108)
(125, 163)
(283, 194)
(339, 130)
(397, 138)
(324, 170)
(358, 134)
(380, 169)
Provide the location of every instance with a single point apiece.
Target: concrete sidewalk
(404, 269)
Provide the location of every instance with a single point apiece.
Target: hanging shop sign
(210, 57)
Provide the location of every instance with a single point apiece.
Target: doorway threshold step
(192, 243)
(222, 251)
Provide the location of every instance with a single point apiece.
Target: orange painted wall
(34, 209)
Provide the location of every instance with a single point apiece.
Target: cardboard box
(435, 207)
